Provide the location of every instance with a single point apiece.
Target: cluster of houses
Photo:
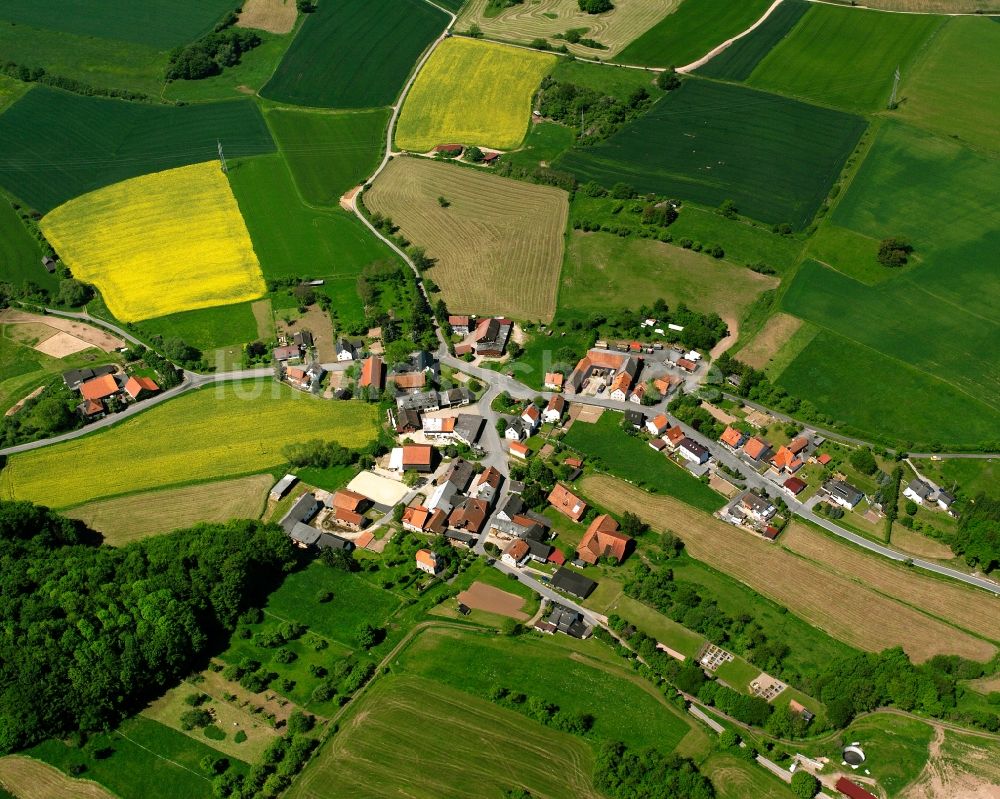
(615, 372)
(530, 419)
(291, 359)
(669, 440)
(487, 337)
(341, 510)
(104, 389)
(926, 495)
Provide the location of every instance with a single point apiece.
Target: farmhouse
(348, 500)
(345, 350)
(349, 519)
(99, 388)
(139, 387)
(282, 486)
(491, 337)
(553, 381)
(372, 374)
(303, 510)
(603, 540)
(468, 428)
(567, 503)
(732, 438)
(334, 541)
(918, 491)
(785, 460)
(459, 324)
(844, 494)
(531, 417)
(637, 394)
(573, 583)
(516, 554)
(759, 508)
(486, 485)
(303, 339)
(692, 451)
(404, 421)
(470, 516)
(454, 398)
(415, 518)
(441, 497)
(599, 363)
(74, 377)
(427, 561)
(408, 381)
(91, 410)
(422, 402)
(415, 457)
(658, 425)
(460, 474)
(435, 428)
(303, 536)
(555, 409)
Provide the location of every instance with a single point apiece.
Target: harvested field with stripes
(498, 245)
(768, 342)
(28, 778)
(845, 609)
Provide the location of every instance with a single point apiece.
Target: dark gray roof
(538, 549)
(458, 535)
(423, 360)
(303, 338)
(515, 487)
(946, 497)
(845, 491)
(637, 418)
(303, 510)
(573, 583)
(533, 533)
(755, 503)
(304, 534)
(460, 474)
(693, 447)
(468, 427)
(920, 488)
(516, 425)
(332, 541)
(420, 401)
(513, 506)
(567, 621)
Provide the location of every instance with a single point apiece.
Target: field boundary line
(161, 757)
(718, 49)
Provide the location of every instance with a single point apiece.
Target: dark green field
(708, 142)
(20, 254)
(692, 31)
(206, 328)
(329, 153)
(631, 458)
(160, 23)
(738, 60)
(355, 53)
(292, 240)
(55, 146)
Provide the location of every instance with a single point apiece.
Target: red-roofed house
(658, 425)
(797, 444)
(567, 503)
(553, 381)
(350, 519)
(519, 450)
(603, 540)
(409, 381)
(415, 518)
(346, 499)
(852, 790)
(658, 444)
(459, 324)
(516, 553)
(732, 437)
(675, 436)
(139, 387)
(531, 416)
(453, 150)
(91, 409)
(756, 448)
(575, 463)
(618, 390)
(371, 372)
(824, 459)
(99, 388)
(785, 460)
(462, 349)
(557, 557)
(427, 561)
(795, 485)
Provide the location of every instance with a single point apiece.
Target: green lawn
(971, 476)
(147, 759)
(206, 328)
(691, 32)
(609, 81)
(329, 479)
(608, 447)
(896, 748)
(543, 353)
(20, 253)
(329, 153)
(664, 630)
(849, 252)
(546, 668)
(545, 142)
(844, 57)
(944, 91)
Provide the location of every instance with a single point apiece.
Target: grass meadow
(945, 90)
(574, 675)
(738, 60)
(629, 457)
(970, 476)
(457, 741)
(844, 57)
(229, 430)
(498, 244)
(136, 516)
(734, 778)
(472, 92)
(208, 329)
(545, 141)
(692, 31)
(55, 145)
(355, 53)
(158, 244)
(329, 153)
(293, 240)
(20, 253)
(709, 142)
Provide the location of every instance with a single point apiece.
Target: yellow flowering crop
(161, 243)
(474, 93)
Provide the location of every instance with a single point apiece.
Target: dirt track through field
(27, 778)
(771, 338)
(842, 607)
(485, 597)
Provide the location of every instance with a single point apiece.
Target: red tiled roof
(794, 484)
(554, 379)
(90, 407)
(416, 516)
(371, 372)
(419, 454)
(519, 448)
(531, 412)
(755, 447)
(576, 463)
(796, 445)
(426, 558)
(731, 436)
(463, 349)
(686, 365)
(850, 789)
(449, 148)
(660, 422)
(364, 540)
(458, 321)
(567, 503)
(824, 459)
(517, 550)
(557, 557)
(490, 477)
(348, 517)
(603, 539)
(409, 380)
(621, 382)
(99, 387)
(348, 500)
(784, 458)
(556, 403)
(136, 385)
(675, 435)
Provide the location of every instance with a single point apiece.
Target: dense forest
(978, 535)
(90, 633)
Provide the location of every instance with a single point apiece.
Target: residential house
(636, 418)
(438, 429)
(794, 486)
(74, 377)
(491, 337)
(415, 518)
(515, 430)
(140, 387)
(468, 428)
(519, 450)
(454, 398)
(348, 500)
(555, 409)
(784, 460)
(516, 554)
(460, 473)
(637, 394)
(531, 417)
(282, 486)
(798, 445)
(603, 539)
(410, 381)
(658, 425)
(303, 510)
(674, 437)
(538, 550)
(945, 500)
(918, 491)
(567, 503)
(441, 497)
(823, 459)
(553, 381)
(91, 410)
(564, 620)
(470, 516)
(423, 402)
(844, 494)
(99, 388)
(619, 388)
(349, 519)
(303, 339)
(733, 438)
(427, 561)
(288, 353)
(462, 349)
(405, 420)
(514, 506)
(573, 583)
(297, 377)
(372, 373)
(415, 457)
(303, 536)
(759, 508)
(459, 324)
(487, 485)
(756, 449)
(693, 452)
(345, 350)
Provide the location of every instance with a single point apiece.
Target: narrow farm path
(718, 49)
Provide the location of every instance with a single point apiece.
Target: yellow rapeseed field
(158, 244)
(213, 432)
(472, 92)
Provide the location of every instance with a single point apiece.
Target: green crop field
(738, 60)
(604, 443)
(20, 253)
(547, 668)
(55, 145)
(228, 430)
(945, 91)
(206, 328)
(457, 740)
(355, 53)
(292, 240)
(692, 31)
(844, 57)
(709, 142)
(329, 153)
(159, 23)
